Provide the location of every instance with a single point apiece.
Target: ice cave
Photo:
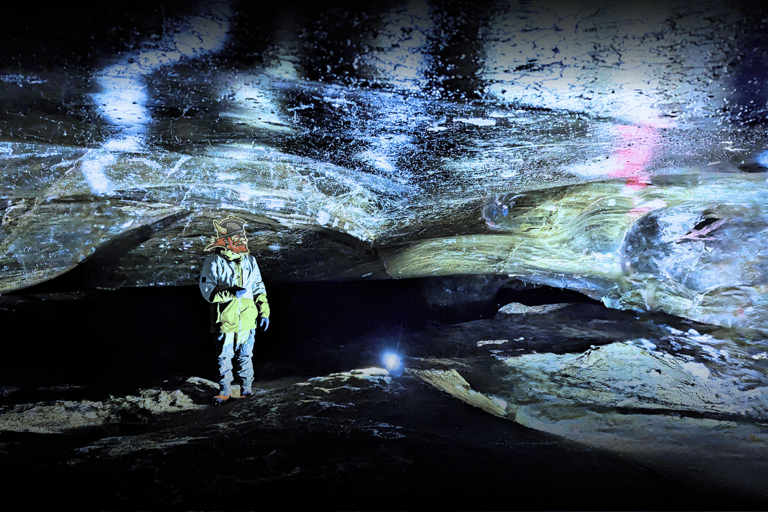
(512, 251)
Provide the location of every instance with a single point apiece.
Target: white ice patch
(491, 342)
(706, 342)
(125, 144)
(499, 401)
(588, 169)
(123, 95)
(379, 161)
(245, 192)
(93, 166)
(274, 204)
(646, 344)
(654, 205)
(716, 354)
(698, 370)
(476, 121)
(323, 217)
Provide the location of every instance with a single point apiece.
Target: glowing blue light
(392, 362)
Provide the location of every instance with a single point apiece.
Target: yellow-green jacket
(223, 273)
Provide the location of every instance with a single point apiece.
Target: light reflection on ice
(398, 55)
(122, 99)
(224, 176)
(323, 217)
(385, 151)
(127, 143)
(256, 106)
(549, 70)
(245, 192)
(380, 161)
(93, 165)
(123, 95)
(273, 204)
(476, 121)
(631, 156)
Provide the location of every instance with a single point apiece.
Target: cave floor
(338, 442)
(131, 426)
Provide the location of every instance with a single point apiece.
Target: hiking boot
(221, 398)
(247, 391)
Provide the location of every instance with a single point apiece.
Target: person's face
(238, 243)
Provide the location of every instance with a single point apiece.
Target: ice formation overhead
(612, 148)
(617, 152)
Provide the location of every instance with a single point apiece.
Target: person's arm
(210, 288)
(260, 295)
(263, 305)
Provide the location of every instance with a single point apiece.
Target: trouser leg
(227, 341)
(244, 355)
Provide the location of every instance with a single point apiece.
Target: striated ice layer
(685, 245)
(616, 153)
(108, 204)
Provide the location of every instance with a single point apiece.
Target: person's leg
(245, 340)
(227, 341)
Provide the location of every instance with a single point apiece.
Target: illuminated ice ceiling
(613, 150)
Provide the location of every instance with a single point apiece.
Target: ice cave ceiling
(612, 148)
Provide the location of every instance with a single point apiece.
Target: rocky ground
(354, 440)
(444, 434)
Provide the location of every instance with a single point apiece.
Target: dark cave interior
(478, 121)
(117, 340)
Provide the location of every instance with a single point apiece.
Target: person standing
(231, 282)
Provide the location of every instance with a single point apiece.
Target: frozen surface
(354, 136)
(619, 153)
(615, 150)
